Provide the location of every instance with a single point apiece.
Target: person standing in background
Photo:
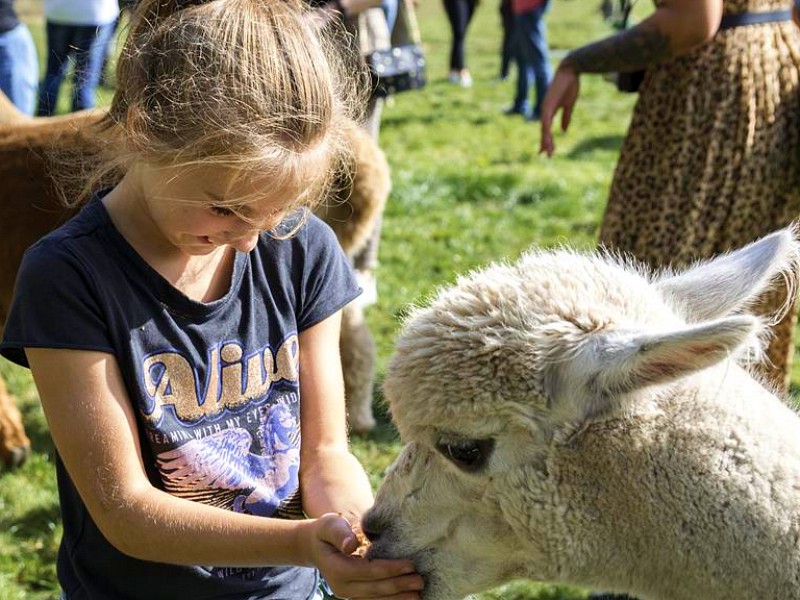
(79, 29)
(19, 65)
(390, 8)
(529, 46)
(105, 70)
(459, 13)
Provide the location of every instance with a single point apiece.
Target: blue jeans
(390, 8)
(19, 68)
(533, 57)
(88, 45)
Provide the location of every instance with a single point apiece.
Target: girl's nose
(246, 243)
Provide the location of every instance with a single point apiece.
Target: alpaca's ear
(728, 283)
(630, 361)
(600, 376)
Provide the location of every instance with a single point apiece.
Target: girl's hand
(332, 545)
(562, 94)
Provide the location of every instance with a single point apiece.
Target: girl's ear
(729, 283)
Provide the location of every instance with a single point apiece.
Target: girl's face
(196, 209)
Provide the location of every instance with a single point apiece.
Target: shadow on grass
(433, 117)
(475, 187)
(401, 120)
(36, 523)
(35, 549)
(608, 143)
(384, 431)
(794, 393)
(36, 428)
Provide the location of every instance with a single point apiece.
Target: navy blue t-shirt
(8, 16)
(214, 386)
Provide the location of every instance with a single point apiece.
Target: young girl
(182, 329)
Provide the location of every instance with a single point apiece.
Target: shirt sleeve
(55, 305)
(328, 282)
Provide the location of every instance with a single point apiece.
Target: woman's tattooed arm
(630, 50)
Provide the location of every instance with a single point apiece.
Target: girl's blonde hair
(248, 84)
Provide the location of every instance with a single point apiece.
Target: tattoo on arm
(630, 50)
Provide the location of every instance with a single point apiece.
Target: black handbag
(628, 82)
(396, 63)
(397, 69)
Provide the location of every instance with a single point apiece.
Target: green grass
(469, 188)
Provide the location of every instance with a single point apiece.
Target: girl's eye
(222, 211)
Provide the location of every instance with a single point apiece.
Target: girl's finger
(337, 532)
(385, 588)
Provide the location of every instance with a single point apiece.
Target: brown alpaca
(29, 208)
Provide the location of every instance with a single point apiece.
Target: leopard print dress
(712, 158)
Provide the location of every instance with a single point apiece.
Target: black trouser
(507, 18)
(459, 13)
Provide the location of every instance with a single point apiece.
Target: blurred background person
(459, 14)
(529, 47)
(125, 7)
(390, 8)
(19, 64)
(80, 30)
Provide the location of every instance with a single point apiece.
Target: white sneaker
(369, 286)
(465, 79)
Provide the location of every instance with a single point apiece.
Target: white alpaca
(573, 419)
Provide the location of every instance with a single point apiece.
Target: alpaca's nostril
(371, 527)
(372, 536)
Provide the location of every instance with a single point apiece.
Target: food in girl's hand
(363, 544)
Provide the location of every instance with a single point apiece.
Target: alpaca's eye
(469, 455)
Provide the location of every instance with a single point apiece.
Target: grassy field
(469, 188)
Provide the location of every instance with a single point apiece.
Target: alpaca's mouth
(422, 564)
(422, 559)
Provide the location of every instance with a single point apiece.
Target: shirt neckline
(167, 294)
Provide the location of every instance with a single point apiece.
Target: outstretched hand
(351, 576)
(562, 94)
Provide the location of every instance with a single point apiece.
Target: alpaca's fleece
(573, 418)
(29, 209)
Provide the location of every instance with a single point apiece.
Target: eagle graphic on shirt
(230, 469)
